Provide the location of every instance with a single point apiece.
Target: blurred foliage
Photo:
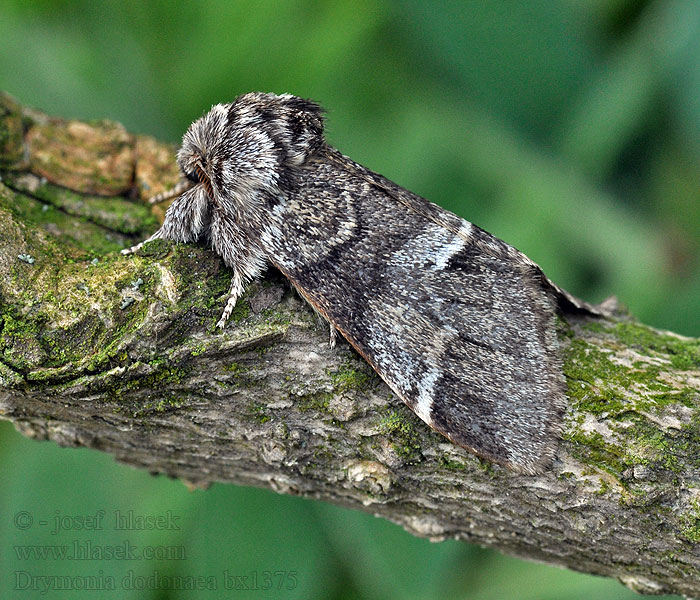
(570, 129)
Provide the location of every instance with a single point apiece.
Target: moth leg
(156, 236)
(185, 220)
(332, 331)
(240, 252)
(234, 293)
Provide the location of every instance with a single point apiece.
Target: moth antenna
(182, 186)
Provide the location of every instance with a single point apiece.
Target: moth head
(249, 145)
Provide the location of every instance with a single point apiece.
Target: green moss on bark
(406, 441)
(618, 386)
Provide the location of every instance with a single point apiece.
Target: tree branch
(122, 354)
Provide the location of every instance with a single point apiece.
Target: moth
(459, 324)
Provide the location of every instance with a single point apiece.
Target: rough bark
(121, 354)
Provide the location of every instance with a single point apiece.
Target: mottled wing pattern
(487, 243)
(466, 337)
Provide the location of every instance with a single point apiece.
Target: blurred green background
(570, 129)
